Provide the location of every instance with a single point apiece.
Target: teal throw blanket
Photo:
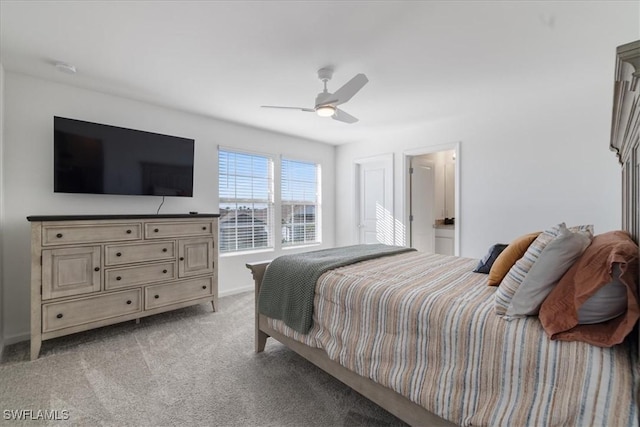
(288, 287)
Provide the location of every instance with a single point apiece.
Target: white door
(422, 193)
(375, 201)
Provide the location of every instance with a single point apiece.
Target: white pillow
(554, 260)
(608, 303)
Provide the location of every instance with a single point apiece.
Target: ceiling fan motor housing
(325, 73)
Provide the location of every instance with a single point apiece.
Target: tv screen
(101, 159)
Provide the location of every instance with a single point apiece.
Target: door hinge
(40, 289)
(410, 170)
(40, 259)
(410, 217)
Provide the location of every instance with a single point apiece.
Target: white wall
(534, 148)
(538, 159)
(30, 106)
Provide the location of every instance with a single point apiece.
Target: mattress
(425, 326)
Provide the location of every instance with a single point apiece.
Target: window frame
(274, 202)
(317, 222)
(269, 202)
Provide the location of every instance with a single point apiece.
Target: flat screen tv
(101, 159)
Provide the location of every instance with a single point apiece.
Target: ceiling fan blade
(343, 117)
(311, 110)
(349, 89)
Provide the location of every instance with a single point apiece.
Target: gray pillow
(554, 260)
(608, 303)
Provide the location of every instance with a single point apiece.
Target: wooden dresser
(89, 271)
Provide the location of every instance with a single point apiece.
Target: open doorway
(432, 204)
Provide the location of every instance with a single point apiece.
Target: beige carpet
(188, 367)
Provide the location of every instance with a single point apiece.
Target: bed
(434, 352)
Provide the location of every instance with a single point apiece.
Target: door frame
(406, 186)
(387, 159)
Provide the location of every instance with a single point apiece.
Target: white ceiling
(425, 60)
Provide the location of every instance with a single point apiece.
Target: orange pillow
(509, 256)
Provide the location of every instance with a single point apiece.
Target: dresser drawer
(141, 275)
(65, 314)
(142, 252)
(73, 234)
(160, 230)
(171, 293)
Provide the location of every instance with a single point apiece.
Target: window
(246, 201)
(300, 202)
(247, 205)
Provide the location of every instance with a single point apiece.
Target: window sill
(250, 252)
(308, 245)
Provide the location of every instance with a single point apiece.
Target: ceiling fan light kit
(326, 102)
(325, 110)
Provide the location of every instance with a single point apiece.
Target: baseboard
(236, 291)
(16, 339)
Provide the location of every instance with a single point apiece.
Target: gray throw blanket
(288, 286)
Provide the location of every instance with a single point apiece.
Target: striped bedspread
(424, 325)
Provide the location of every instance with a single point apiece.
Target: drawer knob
(128, 231)
(128, 301)
(96, 269)
(156, 296)
(164, 249)
(59, 235)
(204, 286)
(119, 254)
(204, 228)
(59, 316)
(155, 230)
(181, 258)
(118, 278)
(164, 271)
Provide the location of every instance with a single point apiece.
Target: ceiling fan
(327, 103)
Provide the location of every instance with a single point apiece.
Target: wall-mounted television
(101, 159)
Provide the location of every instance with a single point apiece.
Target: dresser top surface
(36, 218)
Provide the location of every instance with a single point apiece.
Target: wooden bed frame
(393, 402)
(625, 141)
